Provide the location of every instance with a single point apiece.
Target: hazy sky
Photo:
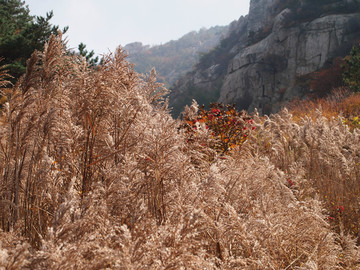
(104, 24)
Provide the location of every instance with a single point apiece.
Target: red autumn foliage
(328, 78)
(227, 126)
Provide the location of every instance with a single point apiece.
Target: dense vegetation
(95, 174)
(351, 75)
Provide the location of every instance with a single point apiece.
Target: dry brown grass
(321, 159)
(95, 174)
(340, 101)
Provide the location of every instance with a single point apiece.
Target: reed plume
(96, 174)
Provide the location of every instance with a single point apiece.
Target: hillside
(270, 56)
(174, 58)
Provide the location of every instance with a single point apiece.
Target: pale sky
(105, 24)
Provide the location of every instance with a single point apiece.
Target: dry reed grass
(95, 174)
(320, 158)
(340, 101)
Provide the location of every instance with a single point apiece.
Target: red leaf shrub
(227, 127)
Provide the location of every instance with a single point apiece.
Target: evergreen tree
(89, 56)
(21, 34)
(351, 75)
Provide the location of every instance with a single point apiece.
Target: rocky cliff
(275, 47)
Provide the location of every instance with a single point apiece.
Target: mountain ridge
(176, 57)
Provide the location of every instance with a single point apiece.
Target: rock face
(260, 14)
(266, 74)
(277, 46)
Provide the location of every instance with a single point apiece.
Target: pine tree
(351, 75)
(21, 34)
(89, 56)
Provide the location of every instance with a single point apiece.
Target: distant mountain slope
(204, 82)
(264, 60)
(173, 59)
